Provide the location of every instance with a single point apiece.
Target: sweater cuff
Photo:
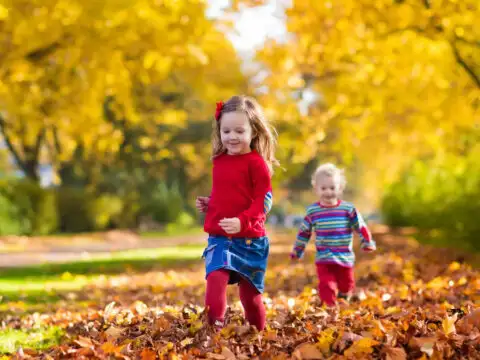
(243, 222)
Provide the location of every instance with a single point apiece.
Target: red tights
(216, 299)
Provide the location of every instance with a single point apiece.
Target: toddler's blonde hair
(330, 170)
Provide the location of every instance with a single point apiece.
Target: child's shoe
(344, 296)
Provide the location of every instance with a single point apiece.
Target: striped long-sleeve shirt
(333, 227)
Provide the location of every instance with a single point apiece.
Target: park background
(106, 111)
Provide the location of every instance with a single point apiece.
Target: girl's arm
(254, 217)
(357, 222)
(303, 237)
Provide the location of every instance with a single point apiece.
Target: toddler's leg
(216, 295)
(326, 284)
(252, 304)
(345, 281)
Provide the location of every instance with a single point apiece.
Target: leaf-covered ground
(413, 302)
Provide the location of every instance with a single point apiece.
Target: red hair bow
(218, 111)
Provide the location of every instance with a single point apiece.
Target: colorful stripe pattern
(267, 202)
(333, 227)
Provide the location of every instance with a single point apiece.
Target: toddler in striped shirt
(333, 221)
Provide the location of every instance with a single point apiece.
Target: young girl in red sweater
(236, 210)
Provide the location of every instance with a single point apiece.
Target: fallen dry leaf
(392, 353)
(307, 351)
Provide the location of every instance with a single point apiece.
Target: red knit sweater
(241, 188)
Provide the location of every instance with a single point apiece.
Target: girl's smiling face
(236, 133)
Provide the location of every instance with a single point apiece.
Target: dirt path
(77, 248)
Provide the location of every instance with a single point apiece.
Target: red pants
(216, 299)
(333, 277)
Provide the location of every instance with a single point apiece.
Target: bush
(440, 198)
(10, 222)
(82, 211)
(34, 206)
(163, 204)
(103, 209)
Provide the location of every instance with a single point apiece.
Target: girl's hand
(202, 203)
(293, 257)
(230, 226)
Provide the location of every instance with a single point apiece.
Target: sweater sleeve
(303, 237)
(360, 227)
(261, 204)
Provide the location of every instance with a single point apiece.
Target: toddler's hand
(293, 257)
(368, 249)
(230, 226)
(201, 203)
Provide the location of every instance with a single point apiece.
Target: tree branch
(20, 162)
(464, 65)
(39, 54)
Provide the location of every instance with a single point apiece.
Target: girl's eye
(226, 131)
(324, 188)
(332, 188)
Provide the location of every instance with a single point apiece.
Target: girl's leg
(252, 304)
(216, 295)
(327, 284)
(345, 281)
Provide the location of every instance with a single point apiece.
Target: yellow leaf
(454, 266)
(362, 346)
(448, 324)
(437, 283)
(325, 340)
(186, 341)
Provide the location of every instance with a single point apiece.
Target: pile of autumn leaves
(413, 303)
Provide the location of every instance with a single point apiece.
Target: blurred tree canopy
(380, 82)
(89, 85)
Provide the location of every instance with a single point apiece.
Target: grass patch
(171, 231)
(37, 339)
(46, 280)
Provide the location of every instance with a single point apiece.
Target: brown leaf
(345, 340)
(307, 351)
(113, 333)
(228, 354)
(473, 318)
(270, 335)
(215, 356)
(425, 344)
(162, 324)
(392, 353)
(85, 342)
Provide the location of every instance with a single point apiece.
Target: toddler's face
(235, 133)
(328, 189)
